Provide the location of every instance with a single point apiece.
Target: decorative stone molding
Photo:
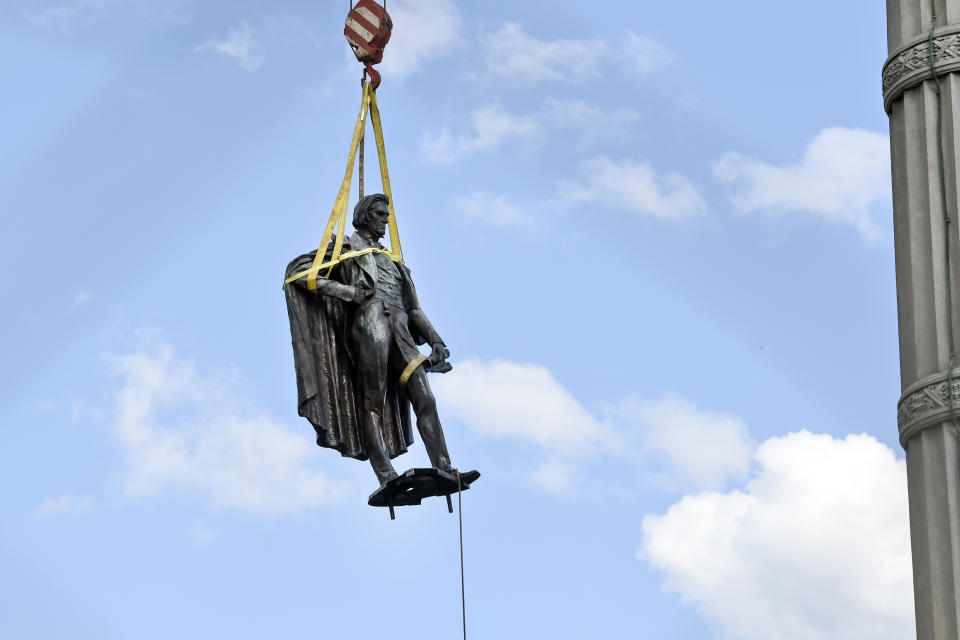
(909, 65)
(925, 403)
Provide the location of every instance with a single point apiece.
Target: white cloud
(72, 15)
(289, 27)
(241, 45)
(645, 55)
(490, 126)
(701, 449)
(501, 399)
(513, 53)
(185, 430)
(496, 210)
(843, 176)
(555, 476)
(244, 45)
(66, 503)
(204, 534)
(428, 30)
(594, 122)
(815, 548)
(66, 15)
(633, 186)
(80, 298)
(530, 405)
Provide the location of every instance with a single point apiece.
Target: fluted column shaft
(923, 415)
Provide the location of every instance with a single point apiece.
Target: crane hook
(367, 29)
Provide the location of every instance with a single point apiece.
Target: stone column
(923, 413)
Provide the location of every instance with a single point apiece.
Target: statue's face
(377, 219)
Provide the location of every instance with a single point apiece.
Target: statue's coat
(326, 394)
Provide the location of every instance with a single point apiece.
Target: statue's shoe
(466, 477)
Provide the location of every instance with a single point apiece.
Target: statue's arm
(421, 324)
(422, 328)
(334, 289)
(325, 286)
(416, 319)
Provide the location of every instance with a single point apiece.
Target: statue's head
(372, 214)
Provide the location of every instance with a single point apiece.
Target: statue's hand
(439, 353)
(443, 367)
(361, 293)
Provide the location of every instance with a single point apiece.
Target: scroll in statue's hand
(437, 362)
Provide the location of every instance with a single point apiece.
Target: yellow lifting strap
(411, 367)
(338, 216)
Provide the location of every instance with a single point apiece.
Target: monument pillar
(921, 124)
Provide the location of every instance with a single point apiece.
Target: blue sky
(655, 237)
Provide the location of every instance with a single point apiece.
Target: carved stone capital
(909, 65)
(925, 403)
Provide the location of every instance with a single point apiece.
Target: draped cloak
(328, 392)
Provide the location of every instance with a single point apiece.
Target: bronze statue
(355, 350)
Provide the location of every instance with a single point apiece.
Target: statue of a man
(355, 348)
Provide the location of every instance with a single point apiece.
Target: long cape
(326, 393)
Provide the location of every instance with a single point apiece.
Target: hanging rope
(463, 594)
(946, 230)
(363, 136)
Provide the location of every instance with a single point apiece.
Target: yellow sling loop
(411, 367)
(338, 216)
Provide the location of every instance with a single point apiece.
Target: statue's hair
(361, 212)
